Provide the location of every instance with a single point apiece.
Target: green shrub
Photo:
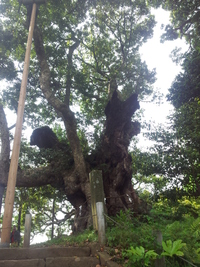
(128, 231)
(138, 257)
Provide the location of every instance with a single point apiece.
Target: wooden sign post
(97, 193)
(27, 230)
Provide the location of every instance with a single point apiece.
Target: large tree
(86, 72)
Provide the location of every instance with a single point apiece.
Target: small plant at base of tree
(138, 256)
(171, 249)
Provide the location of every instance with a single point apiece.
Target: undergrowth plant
(134, 236)
(79, 239)
(172, 248)
(125, 230)
(180, 237)
(138, 257)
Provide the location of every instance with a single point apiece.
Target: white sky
(157, 55)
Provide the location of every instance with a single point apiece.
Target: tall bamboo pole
(12, 176)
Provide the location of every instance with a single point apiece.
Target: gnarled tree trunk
(119, 129)
(113, 159)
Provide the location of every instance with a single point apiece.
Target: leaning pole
(12, 176)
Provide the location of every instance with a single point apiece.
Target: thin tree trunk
(4, 153)
(1, 197)
(19, 219)
(53, 217)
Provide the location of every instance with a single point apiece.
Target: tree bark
(53, 219)
(113, 154)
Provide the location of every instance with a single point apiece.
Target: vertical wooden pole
(97, 193)
(12, 176)
(27, 230)
(159, 262)
(101, 223)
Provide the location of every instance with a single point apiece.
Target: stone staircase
(87, 256)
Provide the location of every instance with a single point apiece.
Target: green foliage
(86, 236)
(139, 256)
(180, 155)
(174, 158)
(108, 37)
(184, 20)
(127, 231)
(7, 68)
(49, 208)
(195, 227)
(179, 237)
(79, 239)
(185, 86)
(61, 157)
(185, 230)
(136, 239)
(172, 248)
(170, 211)
(60, 133)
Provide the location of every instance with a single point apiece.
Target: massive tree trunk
(113, 154)
(112, 158)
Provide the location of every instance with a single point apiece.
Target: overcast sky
(157, 55)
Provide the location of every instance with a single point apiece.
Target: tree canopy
(86, 75)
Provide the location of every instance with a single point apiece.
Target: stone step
(52, 262)
(41, 253)
(88, 256)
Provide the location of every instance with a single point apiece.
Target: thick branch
(39, 177)
(69, 71)
(45, 77)
(67, 114)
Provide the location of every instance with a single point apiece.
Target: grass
(80, 239)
